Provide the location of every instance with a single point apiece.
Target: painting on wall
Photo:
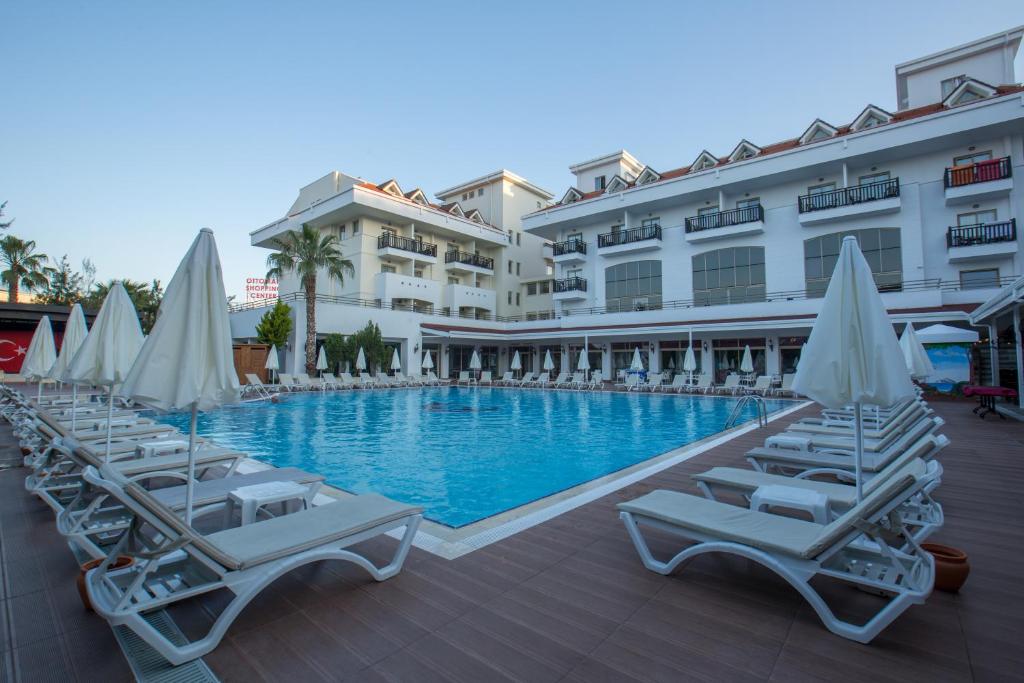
(952, 363)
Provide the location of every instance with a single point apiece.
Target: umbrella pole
(74, 406)
(110, 418)
(190, 482)
(858, 445)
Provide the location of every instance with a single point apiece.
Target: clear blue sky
(128, 126)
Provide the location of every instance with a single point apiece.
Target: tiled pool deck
(565, 600)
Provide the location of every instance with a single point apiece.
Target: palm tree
(24, 268)
(306, 253)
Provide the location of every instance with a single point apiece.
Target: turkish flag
(13, 345)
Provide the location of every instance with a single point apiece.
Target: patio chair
(761, 386)
(527, 379)
(577, 380)
(287, 382)
(506, 379)
(435, 380)
(485, 377)
(596, 381)
(678, 384)
(630, 382)
(702, 386)
(255, 387)
(905, 419)
(857, 548)
(177, 563)
(464, 378)
(542, 380)
(654, 381)
(730, 386)
(786, 388)
(561, 381)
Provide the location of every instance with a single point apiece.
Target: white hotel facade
(733, 249)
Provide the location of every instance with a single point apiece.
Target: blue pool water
(464, 454)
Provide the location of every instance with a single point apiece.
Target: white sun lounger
(506, 379)
(485, 377)
(527, 379)
(731, 385)
(654, 380)
(256, 387)
(856, 548)
(244, 560)
(761, 386)
(678, 384)
(287, 382)
(561, 381)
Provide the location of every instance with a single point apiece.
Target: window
(464, 196)
(388, 230)
(881, 249)
(480, 192)
(819, 134)
(599, 182)
(975, 279)
(545, 287)
(873, 178)
(519, 239)
(510, 237)
(531, 288)
(510, 297)
(976, 217)
(748, 203)
(950, 84)
(510, 266)
(707, 210)
(341, 231)
(418, 272)
(355, 227)
(633, 286)
(518, 267)
(650, 222)
(821, 189)
(732, 275)
(452, 280)
(969, 159)
(871, 121)
(388, 268)
(518, 300)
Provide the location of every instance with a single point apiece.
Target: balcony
(570, 288)
(457, 297)
(396, 247)
(748, 220)
(858, 201)
(570, 251)
(391, 286)
(643, 238)
(466, 262)
(981, 242)
(985, 180)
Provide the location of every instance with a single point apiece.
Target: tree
(145, 298)
(275, 325)
(371, 342)
(24, 268)
(4, 224)
(337, 348)
(88, 275)
(65, 286)
(305, 253)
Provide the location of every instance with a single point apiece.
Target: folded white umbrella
(396, 362)
(517, 362)
(360, 360)
(75, 332)
(41, 355)
(916, 358)
(110, 348)
(637, 363)
(549, 364)
(272, 364)
(321, 360)
(428, 361)
(747, 363)
(852, 355)
(584, 362)
(187, 361)
(474, 361)
(689, 362)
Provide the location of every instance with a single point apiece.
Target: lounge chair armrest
(161, 474)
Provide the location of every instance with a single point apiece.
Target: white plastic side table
(812, 502)
(251, 498)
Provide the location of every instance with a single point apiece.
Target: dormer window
(418, 197)
(617, 184)
(819, 130)
(950, 84)
(571, 195)
(744, 150)
(969, 90)
(599, 183)
(648, 175)
(391, 187)
(869, 118)
(704, 161)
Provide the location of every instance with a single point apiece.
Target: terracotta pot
(951, 566)
(121, 561)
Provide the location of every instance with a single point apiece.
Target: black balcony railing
(981, 172)
(848, 196)
(983, 233)
(644, 232)
(469, 259)
(723, 219)
(573, 246)
(571, 284)
(389, 239)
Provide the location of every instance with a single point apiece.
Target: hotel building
(734, 248)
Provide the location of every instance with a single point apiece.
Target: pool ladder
(762, 411)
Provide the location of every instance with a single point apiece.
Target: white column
(564, 349)
(773, 358)
(721, 200)
(1019, 354)
(707, 358)
(846, 179)
(654, 357)
(295, 361)
(442, 362)
(606, 360)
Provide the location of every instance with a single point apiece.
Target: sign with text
(259, 288)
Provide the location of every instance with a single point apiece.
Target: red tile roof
(784, 145)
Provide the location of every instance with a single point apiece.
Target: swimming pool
(465, 454)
